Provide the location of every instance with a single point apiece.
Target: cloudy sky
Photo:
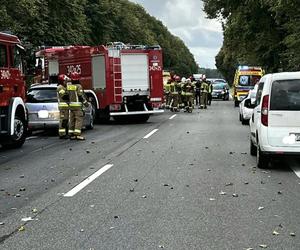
(186, 19)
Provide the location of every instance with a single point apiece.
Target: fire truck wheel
(19, 136)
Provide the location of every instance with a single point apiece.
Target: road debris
(27, 219)
(263, 246)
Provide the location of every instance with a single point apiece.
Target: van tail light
(265, 111)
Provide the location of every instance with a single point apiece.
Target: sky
(187, 20)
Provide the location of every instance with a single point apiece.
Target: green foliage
(263, 33)
(93, 22)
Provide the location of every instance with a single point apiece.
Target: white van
(275, 123)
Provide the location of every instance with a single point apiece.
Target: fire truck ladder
(117, 79)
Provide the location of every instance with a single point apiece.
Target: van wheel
(244, 122)
(262, 160)
(19, 136)
(252, 148)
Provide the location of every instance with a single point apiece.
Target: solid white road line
(172, 117)
(151, 133)
(296, 170)
(87, 181)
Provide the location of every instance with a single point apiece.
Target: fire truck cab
(13, 116)
(121, 81)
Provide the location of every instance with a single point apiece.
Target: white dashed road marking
(87, 181)
(172, 117)
(151, 133)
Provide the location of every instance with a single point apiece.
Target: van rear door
(284, 114)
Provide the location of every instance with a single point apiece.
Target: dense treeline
(257, 32)
(92, 22)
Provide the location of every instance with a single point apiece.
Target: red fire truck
(13, 116)
(122, 81)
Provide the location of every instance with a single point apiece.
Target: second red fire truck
(122, 81)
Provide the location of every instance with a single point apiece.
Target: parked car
(220, 91)
(247, 106)
(42, 106)
(275, 123)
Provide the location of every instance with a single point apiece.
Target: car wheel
(252, 148)
(262, 160)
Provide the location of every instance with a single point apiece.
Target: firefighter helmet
(75, 76)
(177, 78)
(183, 79)
(61, 78)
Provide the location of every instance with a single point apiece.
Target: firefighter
(167, 93)
(77, 100)
(63, 106)
(181, 93)
(197, 92)
(204, 91)
(189, 90)
(209, 93)
(174, 94)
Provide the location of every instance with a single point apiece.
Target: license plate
(43, 114)
(297, 136)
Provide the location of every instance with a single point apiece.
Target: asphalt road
(191, 184)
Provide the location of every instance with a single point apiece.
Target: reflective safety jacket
(204, 87)
(189, 89)
(173, 88)
(167, 87)
(76, 96)
(63, 97)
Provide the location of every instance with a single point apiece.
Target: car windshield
(219, 86)
(248, 80)
(285, 95)
(219, 81)
(37, 95)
